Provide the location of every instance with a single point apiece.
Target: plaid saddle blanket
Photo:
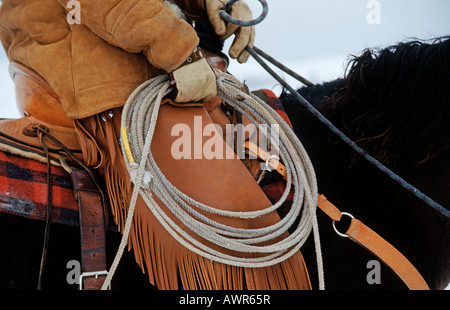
(23, 190)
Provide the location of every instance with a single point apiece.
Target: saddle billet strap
(93, 221)
(92, 229)
(49, 212)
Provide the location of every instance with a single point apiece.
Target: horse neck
(353, 182)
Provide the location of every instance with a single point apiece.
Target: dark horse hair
(394, 101)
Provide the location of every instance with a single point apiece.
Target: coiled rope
(139, 119)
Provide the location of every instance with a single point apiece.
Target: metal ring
(242, 23)
(334, 224)
(267, 167)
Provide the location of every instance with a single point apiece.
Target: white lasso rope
(139, 118)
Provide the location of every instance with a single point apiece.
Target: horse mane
(394, 102)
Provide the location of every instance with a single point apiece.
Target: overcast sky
(316, 37)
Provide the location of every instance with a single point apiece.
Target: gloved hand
(243, 35)
(194, 80)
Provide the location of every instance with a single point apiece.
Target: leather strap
(329, 208)
(366, 237)
(273, 162)
(92, 227)
(361, 234)
(196, 55)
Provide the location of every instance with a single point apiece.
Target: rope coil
(139, 117)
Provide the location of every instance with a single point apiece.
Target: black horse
(395, 104)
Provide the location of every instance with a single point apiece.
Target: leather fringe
(169, 265)
(164, 258)
(103, 154)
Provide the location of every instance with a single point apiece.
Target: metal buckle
(92, 274)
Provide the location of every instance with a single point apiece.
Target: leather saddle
(91, 145)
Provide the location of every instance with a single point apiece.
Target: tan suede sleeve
(137, 26)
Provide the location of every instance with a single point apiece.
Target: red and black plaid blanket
(23, 190)
(273, 101)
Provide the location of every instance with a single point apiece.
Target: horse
(393, 102)
(380, 104)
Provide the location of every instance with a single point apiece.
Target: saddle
(88, 148)
(47, 136)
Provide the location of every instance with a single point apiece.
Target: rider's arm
(141, 26)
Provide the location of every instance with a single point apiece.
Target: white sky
(313, 38)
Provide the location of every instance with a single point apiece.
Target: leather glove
(194, 80)
(243, 35)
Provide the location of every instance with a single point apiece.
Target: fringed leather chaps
(225, 184)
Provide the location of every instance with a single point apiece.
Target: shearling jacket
(95, 64)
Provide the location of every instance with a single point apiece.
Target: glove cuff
(194, 80)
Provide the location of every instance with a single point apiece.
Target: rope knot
(146, 179)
